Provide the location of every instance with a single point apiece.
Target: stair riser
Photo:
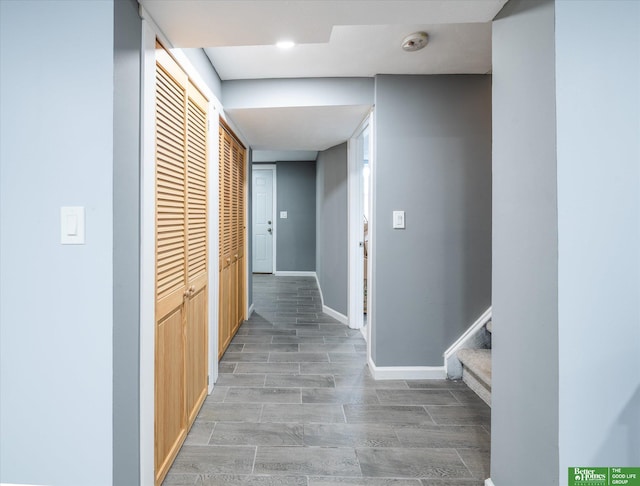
(477, 385)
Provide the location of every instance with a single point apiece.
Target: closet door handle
(189, 292)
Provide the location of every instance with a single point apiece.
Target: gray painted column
(525, 247)
(126, 243)
(566, 274)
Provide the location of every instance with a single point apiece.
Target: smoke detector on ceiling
(415, 41)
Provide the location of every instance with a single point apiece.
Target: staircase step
(476, 371)
(489, 326)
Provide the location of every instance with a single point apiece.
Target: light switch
(398, 220)
(72, 225)
(283, 215)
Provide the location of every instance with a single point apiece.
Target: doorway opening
(363, 160)
(360, 227)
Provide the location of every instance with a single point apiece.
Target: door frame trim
(274, 209)
(147, 256)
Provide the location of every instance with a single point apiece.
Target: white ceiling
(334, 38)
(364, 51)
(304, 128)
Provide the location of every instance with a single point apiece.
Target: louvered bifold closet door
(181, 258)
(171, 275)
(235, 176)
(196, 341)
(226, 241)
(239, 160)
(232, 236)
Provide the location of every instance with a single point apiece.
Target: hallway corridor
(295, 404)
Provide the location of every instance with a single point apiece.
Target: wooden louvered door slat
(232, 239)
(181, 258)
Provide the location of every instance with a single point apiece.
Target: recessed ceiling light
(285, 44)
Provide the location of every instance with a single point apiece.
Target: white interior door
(263, 227)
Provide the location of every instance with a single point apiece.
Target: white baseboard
(488, 482)
(364, 334)
(328, 310)
(252, 307)
(335, 314)
(407, 372)
(285, 273)
(481, 321)
(319, 290)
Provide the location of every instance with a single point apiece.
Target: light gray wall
(296, 235)
(525, 242)
(204, 67)
(598, 119)
(56, 302)
(432, 160)
(331, 219)
(126, 243)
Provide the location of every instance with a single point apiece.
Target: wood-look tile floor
(295, 404)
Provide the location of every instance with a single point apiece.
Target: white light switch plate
(283, 215)
(72, 225)
(398, 220)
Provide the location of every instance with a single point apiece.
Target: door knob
(269, 222)
(269, 230)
